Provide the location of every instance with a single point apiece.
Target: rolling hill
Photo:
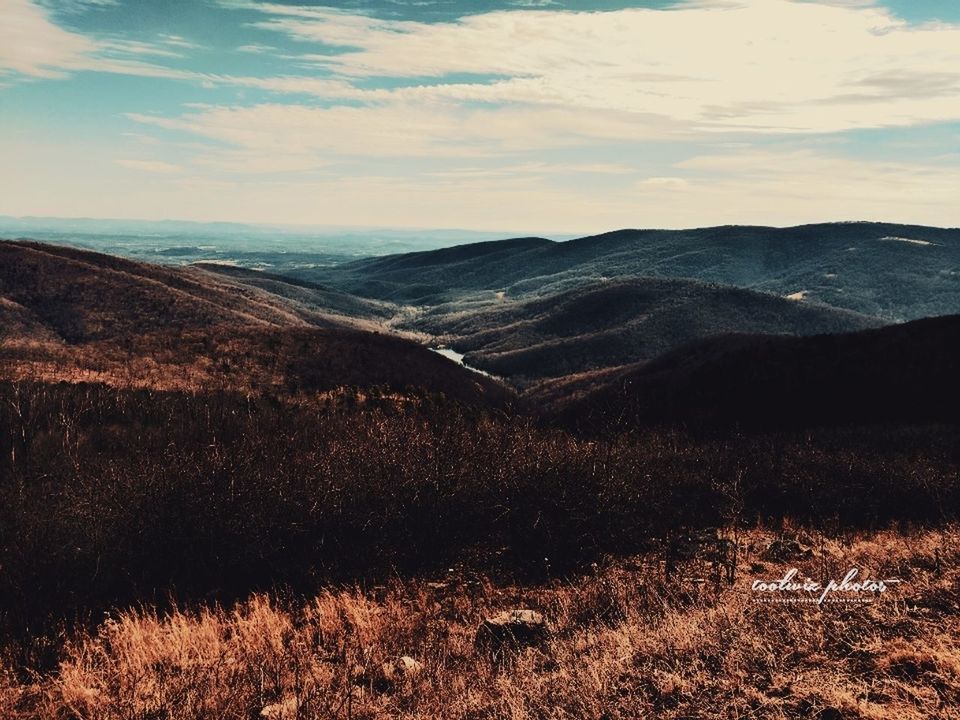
(315, 302)
(571, 332)
(894, 272)
(616, 322)
(84, 303)
(83, 296)
(900, 375)
(74, 315)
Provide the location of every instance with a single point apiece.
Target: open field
(199, 555)
(623, 642)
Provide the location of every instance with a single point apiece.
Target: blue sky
(524, 115)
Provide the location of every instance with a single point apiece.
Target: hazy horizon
(466, 234)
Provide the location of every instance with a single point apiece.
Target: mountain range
(725, 325)
(892, 272)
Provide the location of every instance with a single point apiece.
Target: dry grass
(624, 643)
(243, 358)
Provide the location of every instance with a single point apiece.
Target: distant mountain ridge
(278, 247)
(893, 272)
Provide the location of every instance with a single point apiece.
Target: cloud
(710, 66)
(396, 130)
(803, 185)
(664, 182)
(73, 7)
(324, 87)
(551, 86)
(778, 66)
(177, 41)
(142, 138)
(123, 47)
(32, 45)
(765, 187)
(151, 166)
(257, 49)
(582, 119)
(534, 3)
(534, 168)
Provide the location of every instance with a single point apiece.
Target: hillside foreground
(622, 641)
(174, 556)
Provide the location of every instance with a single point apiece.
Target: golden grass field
(624, 642)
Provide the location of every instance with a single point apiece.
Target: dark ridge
(901, 374)
(457, 253)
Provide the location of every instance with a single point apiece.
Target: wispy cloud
(753, 65)
(122, 47)
(675, 183)
(256, 49)
(769, 187)
(30, 44)
(396, 130)
(73, 7)
(177, 41)
(803, 185)
(151, 166)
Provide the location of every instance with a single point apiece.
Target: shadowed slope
(618, 322)
(310, 300)
(902, 374)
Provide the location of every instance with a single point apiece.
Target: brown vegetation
(900, 374)
(75, 316)
(241, 359)
(247, 515)
(114, 496)
(624, 642)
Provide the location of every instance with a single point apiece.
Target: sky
(523, 115)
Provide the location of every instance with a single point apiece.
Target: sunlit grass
(625, 642)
